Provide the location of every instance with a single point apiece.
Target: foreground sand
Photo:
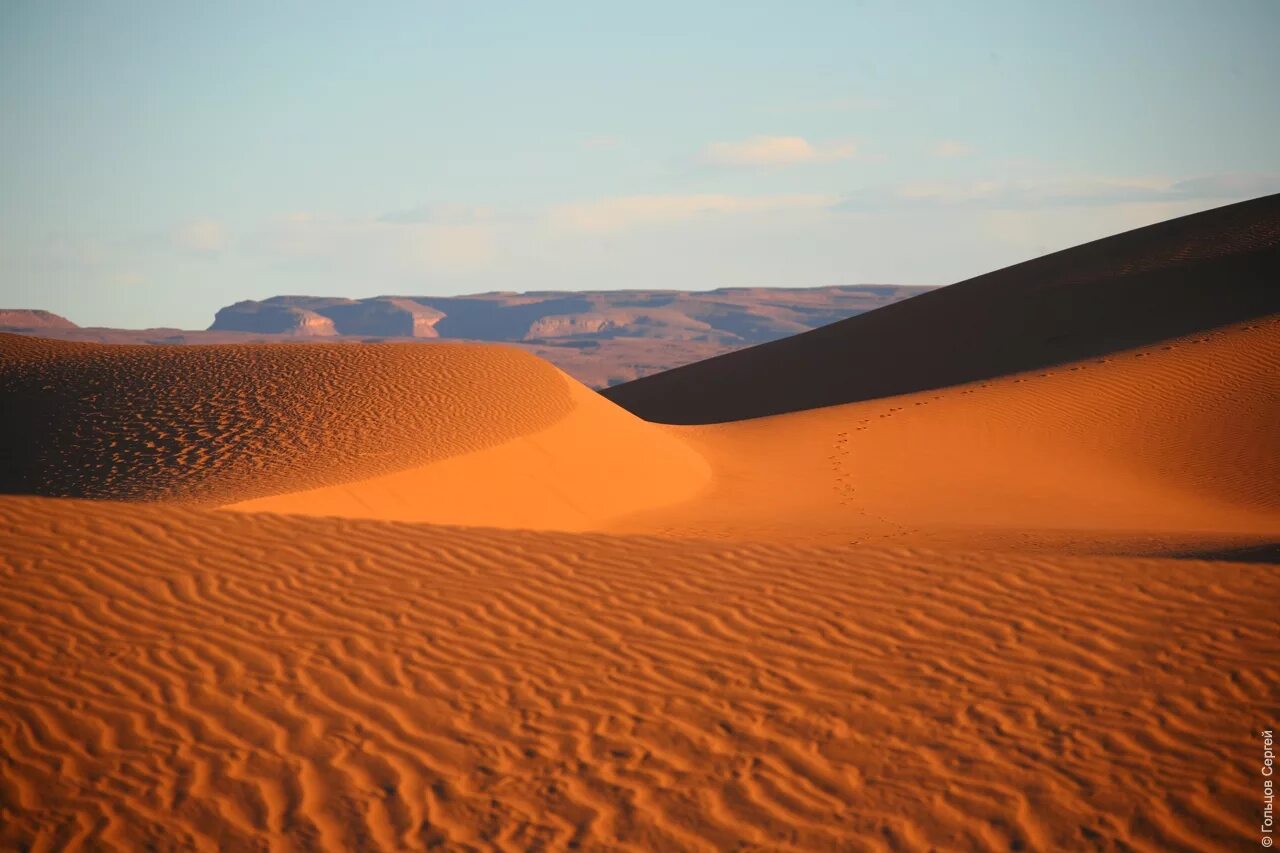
(403, 597)
(196, 679)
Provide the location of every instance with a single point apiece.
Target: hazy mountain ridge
(24, 319)
(600, 338)
(729, 316)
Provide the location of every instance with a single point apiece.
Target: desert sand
(331, 596)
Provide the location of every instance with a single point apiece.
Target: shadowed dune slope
(164, 685)
(221, 424)
(1163, 281)
(1176, 438)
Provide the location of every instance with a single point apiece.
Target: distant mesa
(312, 316)
(24, 319)
(729, 317)
(601, 338)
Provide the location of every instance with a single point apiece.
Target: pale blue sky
(160, 160)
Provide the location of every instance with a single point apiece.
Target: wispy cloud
(1229, 186)
(202, 236)
(774, 151)
(626, 211)
(379, 246)
(1017, 194)
(126, 278)
(951, 148)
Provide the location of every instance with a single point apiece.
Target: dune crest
(595, 465)
(1160, 445)
(448, 433)
(1175, 438)
(1168, 280)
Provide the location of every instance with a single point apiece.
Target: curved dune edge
(175, 678)
(1130, 290)
(596, 464)
(1177, 438)
(223, 423)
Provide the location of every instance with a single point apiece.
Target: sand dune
(223, 424)
(597, 363)
(1152, 450)
(1178, 438)
(968, 617)
(203, 680)
(1168, 280)
(594, 466)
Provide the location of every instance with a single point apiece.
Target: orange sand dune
(180, 678)
(1176, 441)
(1164, 281)
(219, 423)
(596, 465)
(947, 619)
(1157, 447)
(229, 423)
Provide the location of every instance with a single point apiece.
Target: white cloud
(453, 248)
(951, 148)
(612, 214)
(202, 236)
(376, 247)
(126, 278)
(774, 151)
(1236, 185)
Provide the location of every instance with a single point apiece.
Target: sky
(161, 160)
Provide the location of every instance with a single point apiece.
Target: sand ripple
(221, 423)
(192, 679)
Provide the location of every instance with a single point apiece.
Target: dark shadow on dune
(216, 424)
(1268, 553)
(1168, 280)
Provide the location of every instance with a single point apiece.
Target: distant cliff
(601, 338)
(385, 316)
(730, 317)
(24, 319)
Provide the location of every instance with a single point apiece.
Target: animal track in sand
(1178, 385)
